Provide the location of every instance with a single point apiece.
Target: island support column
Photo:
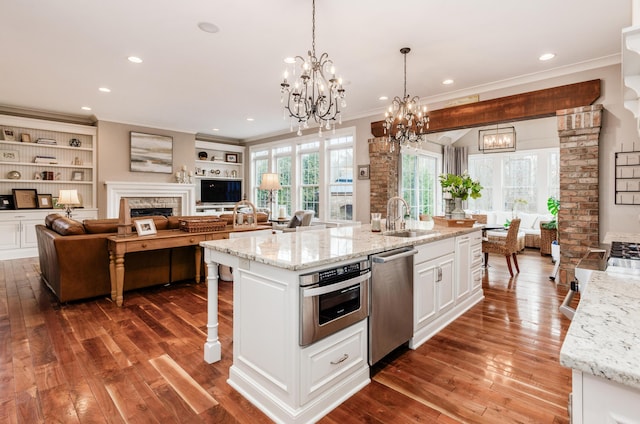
(212, 347)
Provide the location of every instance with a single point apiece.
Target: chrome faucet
(392, 213)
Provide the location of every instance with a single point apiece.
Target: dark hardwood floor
(92, 362)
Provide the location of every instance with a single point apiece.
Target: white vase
(457, 212)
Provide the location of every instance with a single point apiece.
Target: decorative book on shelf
(46, 141)
(45, 159)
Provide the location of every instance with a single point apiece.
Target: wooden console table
(119, 246)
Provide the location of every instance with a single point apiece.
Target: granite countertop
(604, 336)
(307, 249)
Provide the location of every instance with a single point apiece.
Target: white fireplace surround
(117, 190)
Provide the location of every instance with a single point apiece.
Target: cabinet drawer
(153, 244)
(475, 237)
(332, 359)
(433, 250)
(476, 256)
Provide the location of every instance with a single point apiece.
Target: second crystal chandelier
(313, 96)
(404, 122)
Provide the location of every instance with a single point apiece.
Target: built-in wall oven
(333, 299)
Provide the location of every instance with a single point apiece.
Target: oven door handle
(317, 291)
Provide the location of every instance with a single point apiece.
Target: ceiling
(57, 53)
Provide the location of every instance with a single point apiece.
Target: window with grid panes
(418, 185)
(340, 184)
(309, 157)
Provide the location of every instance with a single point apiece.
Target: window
(259, 166)
(283, 168)
(310, 177)
(340, 183)
(522, 180)
(419, 183)
(315, 174)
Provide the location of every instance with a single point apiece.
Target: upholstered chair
(507, 247)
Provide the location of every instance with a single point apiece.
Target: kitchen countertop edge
(246, 248)
(604, 337)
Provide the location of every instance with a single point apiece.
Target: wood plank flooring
(92, 362)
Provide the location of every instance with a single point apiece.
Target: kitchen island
(602, 346)
(293, 383)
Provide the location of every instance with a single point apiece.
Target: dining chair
(507, 247)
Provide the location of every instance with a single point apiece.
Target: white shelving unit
(219, 165)
(74, 169)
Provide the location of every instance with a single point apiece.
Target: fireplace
(180, 198)
(136, 212)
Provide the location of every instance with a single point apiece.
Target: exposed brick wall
(578, 218)
(383, 173)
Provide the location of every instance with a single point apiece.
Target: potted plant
(549, 230)
(553, 205)
(460, 188)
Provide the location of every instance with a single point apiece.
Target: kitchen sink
(410, 233)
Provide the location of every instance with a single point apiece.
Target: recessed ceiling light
(85, 108)
(134, 59)
(547, 56)
(250, 119)
(215, 129)
(208, 27)
(105, 89)
(289, 60)
(447, 82)
(383, 98)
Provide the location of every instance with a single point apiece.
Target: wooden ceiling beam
(519, 107)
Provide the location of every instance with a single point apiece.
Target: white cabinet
(468, 264)
(330, 360)
(18, 229)
(596, 400)
(289, 383)
(432, 281)
(447, 281)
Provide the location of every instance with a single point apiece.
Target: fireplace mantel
(117, 190)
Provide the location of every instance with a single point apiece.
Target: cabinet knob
(144, 245)
(191, 240)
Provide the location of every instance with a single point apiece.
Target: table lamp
(68, 198)
(270, 182)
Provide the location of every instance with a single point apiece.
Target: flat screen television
(220, 191)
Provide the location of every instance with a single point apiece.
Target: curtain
(456, 160)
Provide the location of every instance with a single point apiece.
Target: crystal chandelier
(404, 122)
(313, 95)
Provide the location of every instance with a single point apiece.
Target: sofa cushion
(48, 220)
(527, 220)
(67, 227)
(99, 226)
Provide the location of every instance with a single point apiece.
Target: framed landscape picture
(151, 153)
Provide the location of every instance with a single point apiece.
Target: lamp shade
(68, 197)
(270, 182)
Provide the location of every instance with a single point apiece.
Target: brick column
(383, 173)
(578, 218)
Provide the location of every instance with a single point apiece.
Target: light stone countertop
(307, 249)
(604, 336)
(624, 237)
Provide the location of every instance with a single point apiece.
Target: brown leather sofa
(74, 259)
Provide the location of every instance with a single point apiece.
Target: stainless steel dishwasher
(391, 301)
